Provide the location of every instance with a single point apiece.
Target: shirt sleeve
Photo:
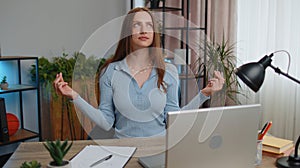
(196, 102)
(103, 116)
(172, 82)
(173, 92)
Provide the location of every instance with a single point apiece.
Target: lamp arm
(297, 147)
(277, 70)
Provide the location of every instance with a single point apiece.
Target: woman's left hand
(215, 84)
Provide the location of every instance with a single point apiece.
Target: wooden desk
(28, 151)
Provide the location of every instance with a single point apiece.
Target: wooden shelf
(188, 76)
(20, 135)
(184, 28)
(166, 9)
(15, 88)
(19, 87)
(16, 57)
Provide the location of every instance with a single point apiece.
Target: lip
(143, 38)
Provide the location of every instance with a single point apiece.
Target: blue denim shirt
(135, 111)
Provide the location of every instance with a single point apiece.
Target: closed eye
(150, 25)
(136, 25)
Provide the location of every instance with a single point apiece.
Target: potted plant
(79, 71)
(4, 84)
(221, 56)
(57, 152)
(31, 164)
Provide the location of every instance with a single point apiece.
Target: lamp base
(288, 162)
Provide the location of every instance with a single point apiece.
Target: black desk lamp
(253, 74)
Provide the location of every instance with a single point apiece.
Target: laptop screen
(212, 137)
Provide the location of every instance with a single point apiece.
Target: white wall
(47, 27)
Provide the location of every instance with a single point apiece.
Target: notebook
(209, 137)
(102, 156)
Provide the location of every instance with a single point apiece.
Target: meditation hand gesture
(62, 87)
(215, 84)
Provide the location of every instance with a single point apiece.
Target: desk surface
(28, 151)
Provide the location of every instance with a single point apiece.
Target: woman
(137, 87)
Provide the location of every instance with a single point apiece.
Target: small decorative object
(13, 123)
(31, 164)
(4, 84)
(154, 4)
(57, 151)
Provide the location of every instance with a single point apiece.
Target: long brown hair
(124, 49)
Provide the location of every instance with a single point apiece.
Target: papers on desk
(93, 153)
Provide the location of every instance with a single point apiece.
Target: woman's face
(142, 30)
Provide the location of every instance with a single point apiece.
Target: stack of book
(277, 147)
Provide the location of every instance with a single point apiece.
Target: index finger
(58, 78)
(218, 75)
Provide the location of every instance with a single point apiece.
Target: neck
(139, 58)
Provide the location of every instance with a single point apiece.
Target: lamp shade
(253, 74)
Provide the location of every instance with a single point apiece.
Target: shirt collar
(122, 66)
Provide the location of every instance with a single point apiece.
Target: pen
(263, 133)
(101, 160)
(259, 137)
(262, 130)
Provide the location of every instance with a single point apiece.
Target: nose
(143, 29)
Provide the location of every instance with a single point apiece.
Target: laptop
(209, 137)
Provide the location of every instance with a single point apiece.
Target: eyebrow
(141, 22)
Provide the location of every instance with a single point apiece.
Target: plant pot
(66, 163)
(4, 86)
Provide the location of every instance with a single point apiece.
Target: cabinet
(179, 33)
(18, 96)
(190, 38)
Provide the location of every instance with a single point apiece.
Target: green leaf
(57, 150)
(68, 148)
(86, 69)
(31, 164)
(63, 146)
(220, 56)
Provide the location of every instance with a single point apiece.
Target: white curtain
(265, 26)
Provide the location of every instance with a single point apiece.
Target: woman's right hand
(215, 84)
(62, 87)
